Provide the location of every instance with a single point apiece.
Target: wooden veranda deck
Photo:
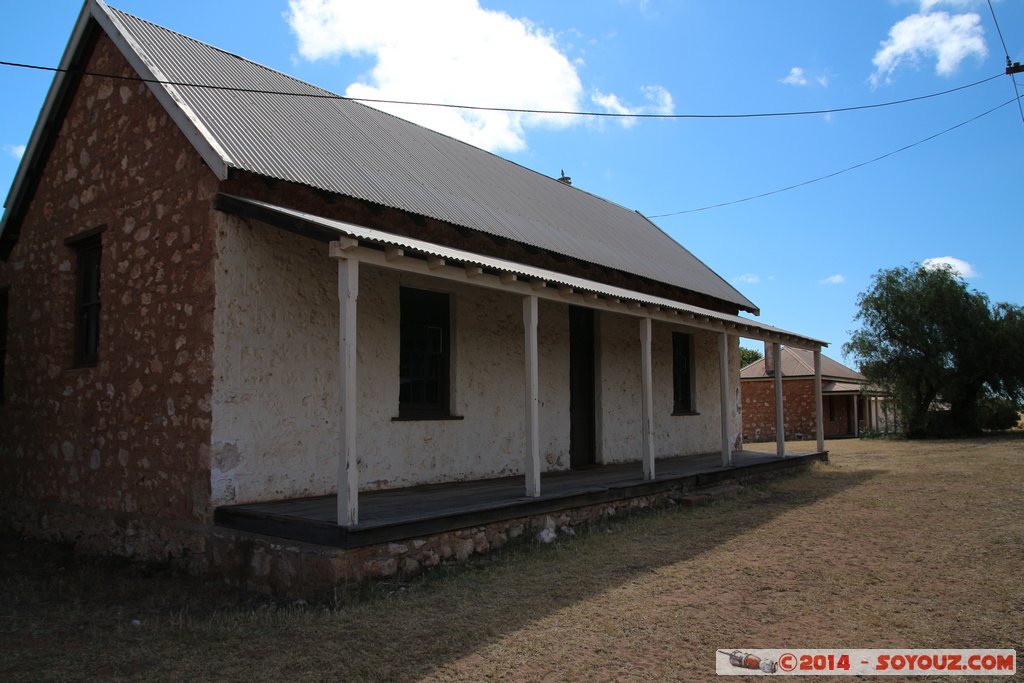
(418, 511)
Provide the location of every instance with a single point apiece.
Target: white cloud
(16, 151)
(659, 101)
(949, 39)
(836, 279)
(610, 103)
(659, 98)
(799, 77)
(796, 77)
(959, 266)
(748, 279)
(453, 52)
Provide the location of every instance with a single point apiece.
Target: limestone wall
(276, 398)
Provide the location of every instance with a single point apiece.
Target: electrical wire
(1013, 78)
(840, 172)
(512, 110)
(999, 30)
(331, 96)
(1017, 93)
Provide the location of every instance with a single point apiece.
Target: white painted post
(723, 381)
(819, 419)
(780, 424)
(532, 398)
(856, 415)
(348, 463)
(647, 398)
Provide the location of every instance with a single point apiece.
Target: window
(88, 248)
(683, 402)
(425, 356)
(3, 341)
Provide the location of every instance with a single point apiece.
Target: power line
(1017, 93)
(1009, 63)
(836, 173)
(512, 110)
(331, 96)
(999, 31)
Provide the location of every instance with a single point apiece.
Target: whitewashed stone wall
(275, 399)
(619, 392)
(275, 392)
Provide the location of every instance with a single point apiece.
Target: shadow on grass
(67, 619)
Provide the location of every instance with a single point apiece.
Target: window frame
(683, 374)
(412, 314)
(88, 247)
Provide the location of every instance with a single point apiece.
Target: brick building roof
(800, 363)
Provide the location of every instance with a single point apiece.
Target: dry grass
(911, 544)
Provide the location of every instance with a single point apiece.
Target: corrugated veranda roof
(723, 321)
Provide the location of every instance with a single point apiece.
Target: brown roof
(800, 363)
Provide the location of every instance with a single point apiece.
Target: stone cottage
(223, 287)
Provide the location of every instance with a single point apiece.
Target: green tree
(1010, 345)
(926, 337)
(748, 356)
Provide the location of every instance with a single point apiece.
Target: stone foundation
(290, 568)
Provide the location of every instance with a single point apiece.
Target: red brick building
(849, 405)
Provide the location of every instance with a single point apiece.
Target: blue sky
(802, 255)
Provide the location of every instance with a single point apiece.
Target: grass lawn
(893, 543)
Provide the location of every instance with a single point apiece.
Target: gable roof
(800, 363)
(344, 147)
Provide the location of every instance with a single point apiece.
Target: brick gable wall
(129, 438)
(798, 415)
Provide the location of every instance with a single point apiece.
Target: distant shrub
(942, 424)
(998, 414)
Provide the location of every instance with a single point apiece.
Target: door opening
(582, 375)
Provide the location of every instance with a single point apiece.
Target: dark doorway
(582, 409)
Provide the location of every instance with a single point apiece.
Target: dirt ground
(892, 543)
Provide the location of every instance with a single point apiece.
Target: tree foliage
(748, 356)
(929, 340)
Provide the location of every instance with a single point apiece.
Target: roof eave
(748, 306)
(744, 305)
(187, 120)
(320, 227)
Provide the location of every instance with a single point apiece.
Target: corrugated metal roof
(345, 147)
(800, 363)
(840, 387)
(460, 256)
